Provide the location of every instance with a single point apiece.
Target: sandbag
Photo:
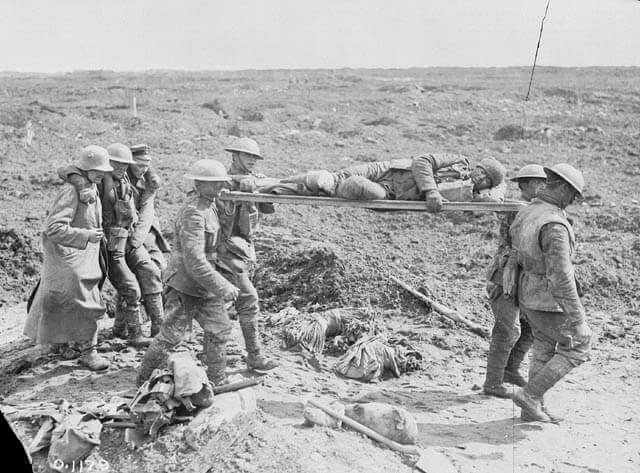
(393, 422)
(457, 191)
(314, 416)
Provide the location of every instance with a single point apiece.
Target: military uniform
(511, 337)
(238, 223)
(146, 246)
(548, 294)
(195, 286)
(398, 179)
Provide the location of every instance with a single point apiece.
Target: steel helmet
(245, 145)
(120, 153)
(529, 171)
(94, 158)
(569, 174)
(208, 170)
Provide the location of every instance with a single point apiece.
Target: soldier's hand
(87, 196)
(582, 333)
(433, 200)
(95, 235)
(247, 184)
(134, 243)
(231, 293)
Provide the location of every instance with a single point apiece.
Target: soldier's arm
(58, 223)
(192, 237)
(556, 249)
(72, 175)
(425, 167)
(153, 179)
(146, 217)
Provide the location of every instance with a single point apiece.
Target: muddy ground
(316, 258)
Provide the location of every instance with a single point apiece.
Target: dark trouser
(247, 307)
(551, 339)
(123, 279)
(182, 309)
(555, 349)
(150, 243)
(147, 272)
(511, 337)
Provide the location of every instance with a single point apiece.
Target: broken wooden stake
(442, 309)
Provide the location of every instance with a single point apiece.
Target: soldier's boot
(119, 329)
(512, 370)
(134, 329)
(155, 357)
(215, 357)
(493, 383)
(556, 419)
(531, 406)
(255, 359)
(155, 310)
(90, 357)
(543, 380)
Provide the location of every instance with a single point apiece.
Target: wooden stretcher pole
(510, 206)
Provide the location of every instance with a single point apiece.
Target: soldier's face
(246, 161)
(211, 189)
(480, 179)
(95, 176)
(529, 188)
(138, 169)
(119, 169)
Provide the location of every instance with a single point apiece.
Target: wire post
(535, 58)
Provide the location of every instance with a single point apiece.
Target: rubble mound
(321, 277)
(307, 277)
(19, 263)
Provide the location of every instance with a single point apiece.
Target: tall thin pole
(535, 58)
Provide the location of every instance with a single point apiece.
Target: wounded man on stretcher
(433, 178)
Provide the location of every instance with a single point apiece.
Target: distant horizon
(292, 69)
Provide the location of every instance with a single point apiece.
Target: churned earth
(315, 258)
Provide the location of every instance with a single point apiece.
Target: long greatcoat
(67, 303)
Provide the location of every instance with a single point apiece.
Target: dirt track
(318, 257)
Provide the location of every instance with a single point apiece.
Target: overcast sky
(64, 35)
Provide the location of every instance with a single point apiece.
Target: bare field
(316, 258)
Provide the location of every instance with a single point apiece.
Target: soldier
(238, 223)
(146, 244)
(429, 177)
(196, 288)
(67, 303)
(120, 217)
(548, 293)
(511, 337)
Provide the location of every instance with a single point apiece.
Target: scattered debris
(385, 121)
(216, 106)
(370, 357)
(443, 310)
